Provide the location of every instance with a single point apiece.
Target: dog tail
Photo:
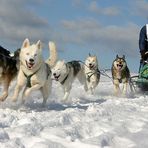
(51, 61)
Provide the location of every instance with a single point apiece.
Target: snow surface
(85, 121)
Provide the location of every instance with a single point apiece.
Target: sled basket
(144, 72)
(140, 82)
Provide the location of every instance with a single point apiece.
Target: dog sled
(139, 83)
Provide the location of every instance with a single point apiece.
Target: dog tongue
(30, 65)
(56, 78)
(119, 66)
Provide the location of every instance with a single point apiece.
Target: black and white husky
(120, 74)
(92, 73)
(66, 73)
(8, 69)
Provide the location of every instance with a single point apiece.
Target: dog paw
(3, 97)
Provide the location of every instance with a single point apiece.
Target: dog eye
(35, 55)
(27, 53)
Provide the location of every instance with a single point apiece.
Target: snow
(85, 121)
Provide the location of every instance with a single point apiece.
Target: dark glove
(144, 54)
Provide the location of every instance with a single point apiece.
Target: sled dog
(92, 73)
(65, 73)
(120, 74)
(8, 69)
(34, 73)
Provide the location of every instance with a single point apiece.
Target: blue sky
(78, 27)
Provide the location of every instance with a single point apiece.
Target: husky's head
(30, 55)
(91, 62)
(119, 63)
(59, 71)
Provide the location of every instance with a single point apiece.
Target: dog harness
(28, 77)
(64, 79)
(66, 75)
(120, 80)
(124, 74)
(92, 73)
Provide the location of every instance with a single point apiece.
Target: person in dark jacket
(143, 44)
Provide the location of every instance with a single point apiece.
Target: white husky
(66, 73)
(34, 72)
(92, 73)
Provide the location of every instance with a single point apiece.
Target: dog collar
(64, 79)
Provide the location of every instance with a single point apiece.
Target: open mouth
(91, 66)
(56, 77)
(119, 66)
(30, 65)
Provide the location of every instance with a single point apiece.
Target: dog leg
(66, 93)
(20, 83)
(16, 92)
(82, 79)
(91, 90)
(124, 92)
(29, 90)
(5, 91)
(85, 87)
(46, 90)
(116, 88)
(23, 98)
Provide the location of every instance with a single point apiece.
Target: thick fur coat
(120, 74)
(8, 69)
(34, 73)
(92, 73)
(65, 73)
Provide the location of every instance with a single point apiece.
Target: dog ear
(123, 57)
(117, 56)
(26, 43)
(39, 44)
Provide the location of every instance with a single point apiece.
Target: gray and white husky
(92, 73)
(66, 73)
(120, 74)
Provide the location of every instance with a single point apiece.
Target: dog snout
(90, 64)
(31, 60)
(54, 74)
